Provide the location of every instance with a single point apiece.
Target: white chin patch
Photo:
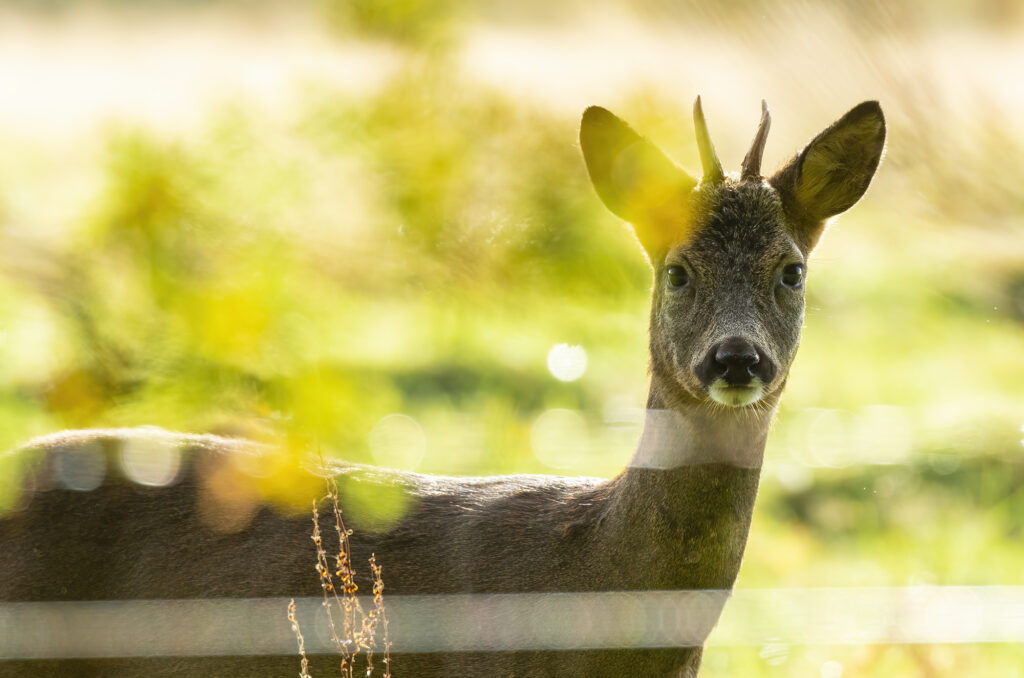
(736, 396)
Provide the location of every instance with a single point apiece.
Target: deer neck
(682, 508)
(690, 433)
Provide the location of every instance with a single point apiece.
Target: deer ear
(834, 170)
(635, 180)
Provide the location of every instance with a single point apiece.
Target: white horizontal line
(530, 621)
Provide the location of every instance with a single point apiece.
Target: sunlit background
(364, 226)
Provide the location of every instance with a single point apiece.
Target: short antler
(751, 168)
(708, 158)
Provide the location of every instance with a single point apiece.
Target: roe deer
(729, 257)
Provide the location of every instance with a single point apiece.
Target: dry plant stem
(327, 586)
(327, 582)
(359, 627)
(379, 610)
(352, 611)
(368, 631)
(304, 673)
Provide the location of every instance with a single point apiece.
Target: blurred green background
(364, 225)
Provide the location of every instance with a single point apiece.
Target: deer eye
(793, 275)
(677, 276)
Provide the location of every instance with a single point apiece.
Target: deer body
(728, 256)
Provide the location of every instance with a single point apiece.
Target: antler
(751, 168)
(708, 158)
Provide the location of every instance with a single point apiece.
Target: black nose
(737, 361)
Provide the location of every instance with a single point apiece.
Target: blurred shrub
(413, 22)
(379, 257)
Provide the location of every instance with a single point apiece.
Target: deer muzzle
(736, 372)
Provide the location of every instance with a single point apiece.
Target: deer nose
(737, 361)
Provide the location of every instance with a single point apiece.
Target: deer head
(729, 252)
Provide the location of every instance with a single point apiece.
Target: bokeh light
(150, 461)
(559, 438)
(82, 469)
(831, 669)
(567, 363)
(398, 441)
